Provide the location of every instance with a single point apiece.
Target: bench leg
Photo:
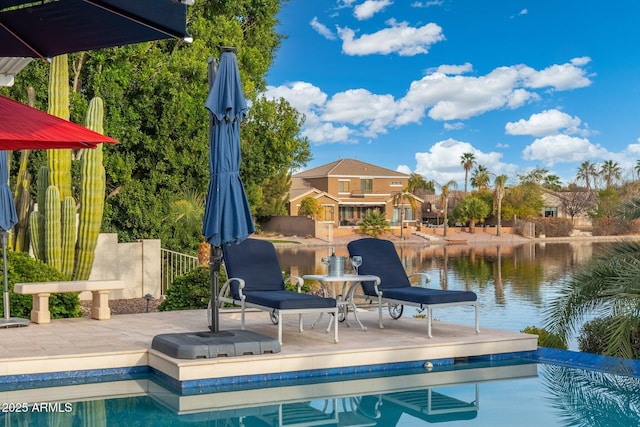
(40, 309)
(100, 307)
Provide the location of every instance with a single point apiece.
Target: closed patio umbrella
(8, 217)
(227, 217)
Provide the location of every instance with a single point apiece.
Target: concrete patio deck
(85, 345)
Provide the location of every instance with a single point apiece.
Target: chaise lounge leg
(429, 317)
(477, 319)
(380, 312)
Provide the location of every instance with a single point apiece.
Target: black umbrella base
(205, 345)
(13, 322)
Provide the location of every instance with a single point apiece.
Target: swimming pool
(522, 393)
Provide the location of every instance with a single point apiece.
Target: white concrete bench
(42, 290)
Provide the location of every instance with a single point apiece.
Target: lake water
(515, 283)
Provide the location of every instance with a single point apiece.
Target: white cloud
(369, 8)
(562, 149)
(322, 29)
(302, 96)
(398, 38)
(442, 161)
(455, 97)
(559, 77)
(328, 133)
(428, 3)
(404, 169)
(524, 12)
(357, 113)
(375, 111)
(453, 126)
(549, 122)
(455, 69)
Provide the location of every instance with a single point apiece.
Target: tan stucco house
(347, 189)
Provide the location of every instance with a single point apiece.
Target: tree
(154, 94)
(611, 172)
(274, 195)
(575, 202)
(637, 168)
(498, 194)
(480, 178)
(186, 214)
(471, 209)
(310, 207)
(523, 201)
(467, 160)
(374, 223)
(607, 287)
(271, 145)
(552, 182)
(415, 182)
(444, 202)
(586, 172)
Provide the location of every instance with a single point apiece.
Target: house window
(396, 183)
(551, 212)
(366, 186)
(408, 215)
(343, 186)
(327, 213)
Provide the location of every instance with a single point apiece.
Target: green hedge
(191, 291)
(21, 268)
(546, 338)
(591, 338)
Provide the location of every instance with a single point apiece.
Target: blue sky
(412, 85)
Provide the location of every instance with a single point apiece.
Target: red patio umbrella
(23, 127)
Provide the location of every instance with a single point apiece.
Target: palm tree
(498, 194)
(586, 171)
(610, 172)
(189, 210)
(480, 178)
(416, 181)
(609, 288)
(637, 168)
(444, 201)
(467, 160)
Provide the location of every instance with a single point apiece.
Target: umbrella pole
(215, 261)
(6, 280)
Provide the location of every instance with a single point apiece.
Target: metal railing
(175, 264)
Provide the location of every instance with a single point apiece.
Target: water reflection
(514, 283)
(590, 398)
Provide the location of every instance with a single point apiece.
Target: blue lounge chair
(255, 280)
(379, 258)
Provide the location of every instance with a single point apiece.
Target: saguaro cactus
(92, 177)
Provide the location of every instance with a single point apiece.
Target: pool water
(466, 394)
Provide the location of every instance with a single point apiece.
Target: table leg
(351, 303)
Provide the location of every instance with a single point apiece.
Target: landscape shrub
(546, 338)
(22, 268)
(591, 338)
(614, 227)
(553, 227)
(191, 291)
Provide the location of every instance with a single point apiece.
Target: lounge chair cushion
(379, 258)
(256, 262)
(428, 296)
(288, 300)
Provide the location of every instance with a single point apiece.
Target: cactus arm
(92, 196)
(53, 238)
(60, 159)
(68, 235)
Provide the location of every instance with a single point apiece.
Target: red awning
(23, 127)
